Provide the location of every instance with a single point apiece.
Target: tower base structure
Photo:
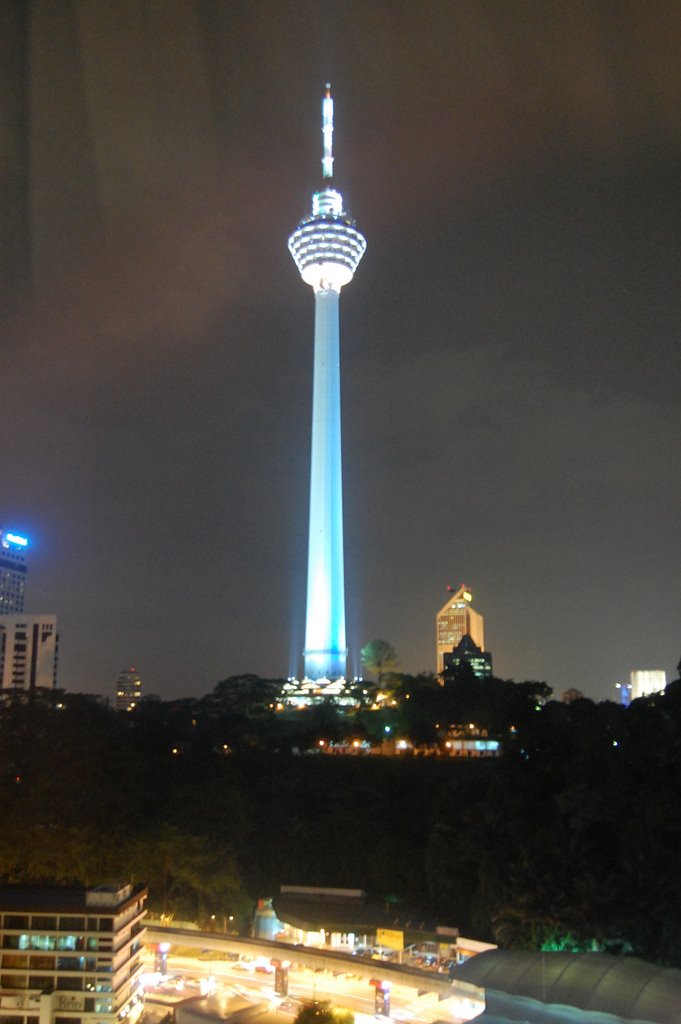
(325, 666)
(309, 692)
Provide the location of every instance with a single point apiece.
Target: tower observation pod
(327, 248)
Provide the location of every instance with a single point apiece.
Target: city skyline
(512, 340)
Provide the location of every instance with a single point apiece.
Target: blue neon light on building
(327, 249)
(13, 571)
(15, 539)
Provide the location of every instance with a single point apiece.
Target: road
(304, 984)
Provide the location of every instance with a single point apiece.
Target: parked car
(289, 1005)
(263, 965)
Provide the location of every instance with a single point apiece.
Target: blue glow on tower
(327, 249)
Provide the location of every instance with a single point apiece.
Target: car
(263, 965)
(289, 1006)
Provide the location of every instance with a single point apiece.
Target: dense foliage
(323, 1013)
(570, 839)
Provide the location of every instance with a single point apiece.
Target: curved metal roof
(622, 986)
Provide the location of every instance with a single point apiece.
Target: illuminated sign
(14, 538)
(467, 596)
(390, 938)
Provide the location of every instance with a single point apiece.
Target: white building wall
(647, 681)
(28, 651)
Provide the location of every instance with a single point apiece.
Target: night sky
(510, 344)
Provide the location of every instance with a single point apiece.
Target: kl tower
(326, 247)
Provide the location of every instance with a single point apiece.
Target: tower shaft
(325, 645)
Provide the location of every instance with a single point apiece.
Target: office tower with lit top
(457, 619)
(327, 248)
(13, 570)
(29, 644)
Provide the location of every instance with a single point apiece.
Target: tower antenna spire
(327, 133)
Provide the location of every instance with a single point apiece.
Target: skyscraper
(13, 570)
(455, 620)
(128, 690)
(466, 655)
(29, 644)
(327, 248)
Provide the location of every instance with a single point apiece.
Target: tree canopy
(323, 1013)
(379, 657)
(568, 839)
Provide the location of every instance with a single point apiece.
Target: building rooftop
(67, 898)
(626, 988)
(312, 912)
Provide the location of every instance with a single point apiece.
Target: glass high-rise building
(29, 644)
(13, 570)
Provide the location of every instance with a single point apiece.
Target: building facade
(467, 655)
(456, 619)
(29, 648)
(13, 571)
(644, 682)
(70, 955)
(128, 690)
(326, 248)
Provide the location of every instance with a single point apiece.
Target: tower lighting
(327, 248)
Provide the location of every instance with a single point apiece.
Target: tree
(323, 1013)
(378, 656)
(188, 875)
(246, 694)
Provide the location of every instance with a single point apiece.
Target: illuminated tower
(455, 620)
(326, 248)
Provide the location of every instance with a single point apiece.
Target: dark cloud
(510, 343)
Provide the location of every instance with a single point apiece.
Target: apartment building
(70, 955)
(29, 652)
